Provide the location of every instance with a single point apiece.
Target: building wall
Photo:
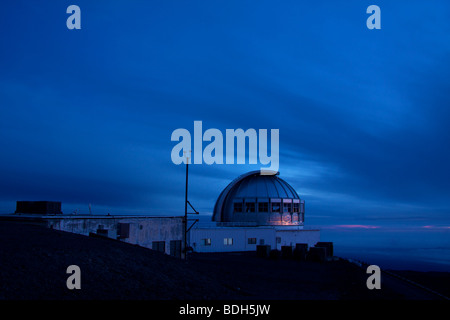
(142, 231)
(217, 236)
(151, 231)
(291, 237)
(275, 237)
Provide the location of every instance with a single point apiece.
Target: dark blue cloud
(86, 116)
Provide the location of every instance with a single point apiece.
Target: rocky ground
(33, 263)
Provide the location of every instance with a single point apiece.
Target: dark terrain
(33, 263)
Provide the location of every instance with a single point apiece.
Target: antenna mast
(186, 202)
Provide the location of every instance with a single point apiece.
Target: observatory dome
(253, 199)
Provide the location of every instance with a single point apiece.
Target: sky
(86, 116)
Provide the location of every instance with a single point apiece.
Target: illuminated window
(228, 241)
(263, 207)
(276, 207)
(249, 207)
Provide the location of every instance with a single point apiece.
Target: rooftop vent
(39, 207)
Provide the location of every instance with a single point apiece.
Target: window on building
(296, 207)
(249, 207)
(205, 242)
(287, 207)
(228, 241)
(278, 239)
(159, 246)
(263, 207)
(251, 240)
(123, 230)
(275, 207)
(238, 207)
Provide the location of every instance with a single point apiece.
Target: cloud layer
(86, 116)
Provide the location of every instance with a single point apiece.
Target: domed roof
(257, 198)
(264, 186)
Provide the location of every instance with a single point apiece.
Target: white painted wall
(240, 236)
(143, 230)
(291, 237)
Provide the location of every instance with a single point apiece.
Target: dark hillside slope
(33, 263)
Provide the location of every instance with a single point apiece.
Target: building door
(123, 230)
(175, 248)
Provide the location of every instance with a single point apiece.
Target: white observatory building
(255, 209)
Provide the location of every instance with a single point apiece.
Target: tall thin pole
(185, 208)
